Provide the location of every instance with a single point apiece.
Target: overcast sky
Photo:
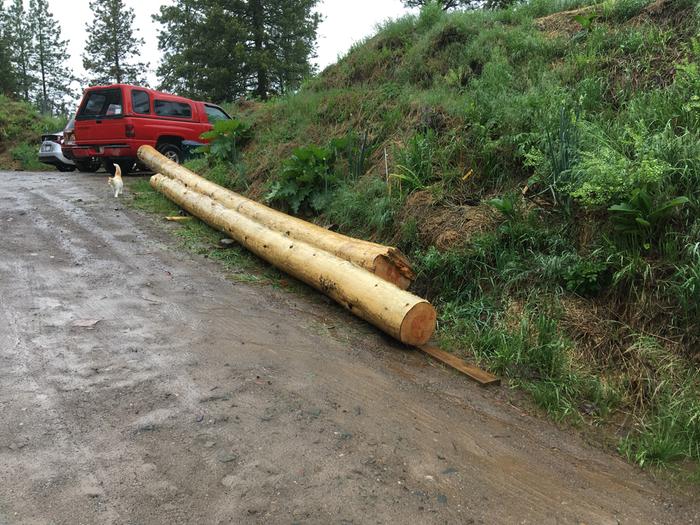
(345, 22)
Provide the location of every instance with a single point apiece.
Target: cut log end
(387, 270)
(418, 324)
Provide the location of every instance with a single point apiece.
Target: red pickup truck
(113, 121)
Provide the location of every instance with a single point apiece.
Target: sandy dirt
(139, 385)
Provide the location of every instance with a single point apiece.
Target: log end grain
(385, 268)
(418, 324)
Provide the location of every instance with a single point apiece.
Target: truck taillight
(130, 130)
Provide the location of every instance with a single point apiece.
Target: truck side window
(140, 102)
(214, 113)
(169, 108)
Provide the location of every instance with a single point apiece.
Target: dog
(116, 182)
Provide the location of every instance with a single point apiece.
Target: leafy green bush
(226, 139)
(586, 277)
(306, 180)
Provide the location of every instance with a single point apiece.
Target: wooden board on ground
(477, 374)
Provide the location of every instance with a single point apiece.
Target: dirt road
(139, 385)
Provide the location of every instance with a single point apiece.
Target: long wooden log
(397, 312)
(384, 261)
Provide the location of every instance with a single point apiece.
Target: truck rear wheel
(171, 151)
(88, 166)
(125, 165)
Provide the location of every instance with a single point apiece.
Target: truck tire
(88, 166)
(125, 165)
(171, 151)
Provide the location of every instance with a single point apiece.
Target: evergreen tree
(112, 49)
(283, 36)
(224, 49)
(49, 56)
(203, 45)
(7, 72)
(20, 38)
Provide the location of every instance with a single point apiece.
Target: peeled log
(397, 312)
(384, 261)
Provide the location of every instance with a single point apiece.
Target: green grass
(593, 311)
(198, 238)
(21, 127)
(26, 156)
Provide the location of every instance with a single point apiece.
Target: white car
(50, 151)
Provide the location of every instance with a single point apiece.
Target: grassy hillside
(541, 166)
(21, 127)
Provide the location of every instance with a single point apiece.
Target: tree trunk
(400, 314)
(385, 262)
(42, 66)
(258, 28)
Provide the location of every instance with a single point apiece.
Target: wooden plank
(477, 374)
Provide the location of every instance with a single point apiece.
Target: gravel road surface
(140, 385)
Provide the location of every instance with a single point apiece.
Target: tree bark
(400, 314)
(386, 262)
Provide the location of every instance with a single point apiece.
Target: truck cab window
(141, 102)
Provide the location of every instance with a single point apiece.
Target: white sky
(345, 22)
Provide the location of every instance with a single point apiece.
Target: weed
(226, 139)
(415, 163)
(506, 205)
(27, 157)
(306, 180)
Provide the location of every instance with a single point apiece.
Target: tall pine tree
(49, 56)
(224, 49)
(7, 72)
(112, 51)
(289, 41)
(20, 34)
(203, 45)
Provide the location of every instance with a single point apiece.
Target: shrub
(226, 139)
(305, 180)
(586, 277)
(606, 174)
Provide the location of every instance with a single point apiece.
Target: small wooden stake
(477, 374)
